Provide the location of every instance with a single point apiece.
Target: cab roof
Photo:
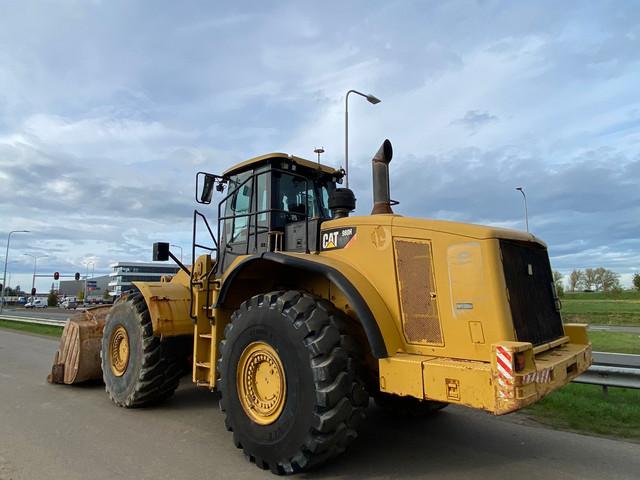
(264, 159)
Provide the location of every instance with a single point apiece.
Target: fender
(381, 333)
(168, 304)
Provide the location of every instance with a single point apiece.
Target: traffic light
(77, 276)
(56, 275)
(33, 291)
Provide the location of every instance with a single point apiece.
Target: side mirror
(160, 252)
(208, 183)
(207, 189)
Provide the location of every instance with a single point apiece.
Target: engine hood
(480, 232)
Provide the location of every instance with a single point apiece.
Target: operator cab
(273, 202)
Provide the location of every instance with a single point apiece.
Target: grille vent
(420, 320)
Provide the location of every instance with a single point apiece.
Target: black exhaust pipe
(381, 193)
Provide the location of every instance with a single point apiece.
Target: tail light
(519, 361)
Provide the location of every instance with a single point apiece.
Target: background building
(96, 286)
(125, 273)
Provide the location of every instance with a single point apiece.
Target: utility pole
(6, 261)
(372, 100)
(35, 267)
(85, 279)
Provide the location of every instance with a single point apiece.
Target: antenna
(319, 151)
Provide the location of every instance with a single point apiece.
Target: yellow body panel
(476, 384)
(168, 304)
(463, 294)
(472, 310)
(402, 375)
(466, 333)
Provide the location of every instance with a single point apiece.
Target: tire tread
(341, 397)
(161, 368)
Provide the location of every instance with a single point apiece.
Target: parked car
(69, 304)
(37, 303)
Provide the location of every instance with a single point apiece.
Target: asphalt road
(71, 432)
(53, 313)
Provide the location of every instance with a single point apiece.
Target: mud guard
(381, 333)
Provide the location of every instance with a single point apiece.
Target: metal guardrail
(616, 359)
(613, 370)
(35, 320)
(608, 369)
(607, 376)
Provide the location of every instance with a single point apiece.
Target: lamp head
(372, 99)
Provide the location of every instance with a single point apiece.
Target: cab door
(246, 216)
(236, 218)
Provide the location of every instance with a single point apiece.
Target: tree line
(594, 279)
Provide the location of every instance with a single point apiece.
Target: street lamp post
(6, 260)
(371, 99)
(177, 246)
(526, 212)
(35, 266)
(93, 264)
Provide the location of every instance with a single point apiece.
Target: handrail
(194, 244)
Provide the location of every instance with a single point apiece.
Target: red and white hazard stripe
(541, 376)
(504, 364)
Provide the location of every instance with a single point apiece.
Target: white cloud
(105, 116)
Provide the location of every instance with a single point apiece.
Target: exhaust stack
(380, 166)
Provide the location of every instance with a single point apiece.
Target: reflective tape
(541, 376)
(504, 364)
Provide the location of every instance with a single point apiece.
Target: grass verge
(601, 312)
(615, 342)
(32, 328)
(585, 408)
(623, 295)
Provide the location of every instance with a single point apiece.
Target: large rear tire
(288, 381)
(138, 368)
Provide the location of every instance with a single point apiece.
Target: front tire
(288, 381)
(138, 368)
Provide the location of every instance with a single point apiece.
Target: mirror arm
(179, 263)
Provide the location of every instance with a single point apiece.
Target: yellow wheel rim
(119, 351)
(261, 383)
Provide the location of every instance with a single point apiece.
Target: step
(203, 364)
(204, 335)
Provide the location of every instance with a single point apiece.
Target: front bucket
(78, 356)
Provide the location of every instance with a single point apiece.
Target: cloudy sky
(108, 108)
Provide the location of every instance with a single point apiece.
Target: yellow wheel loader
(298, 313)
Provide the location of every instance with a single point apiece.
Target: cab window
(237, 208)
(294, 198)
